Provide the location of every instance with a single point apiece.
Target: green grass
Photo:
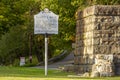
(22, 73)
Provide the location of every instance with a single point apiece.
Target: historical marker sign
(46, 22)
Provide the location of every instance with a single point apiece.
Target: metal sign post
(46, 53)
(46, 22)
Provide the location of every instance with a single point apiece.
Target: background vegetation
(16, 27)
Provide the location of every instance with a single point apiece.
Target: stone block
(113, 49)
(99, 10)
(98, 32)
(109, 10)
(90, 49)
(96, 41)
(104, 49)
(81, 60)
(69, 68)
(117, 68)
(78, 51)
(103, 65)
(76, 60)
(81, 43)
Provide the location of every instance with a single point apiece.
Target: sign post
(46, 22)
(46, 53)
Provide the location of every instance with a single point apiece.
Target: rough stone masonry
(97, 47)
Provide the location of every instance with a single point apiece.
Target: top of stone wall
(99, 10)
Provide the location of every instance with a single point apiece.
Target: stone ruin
(103, 66)
(97, 49)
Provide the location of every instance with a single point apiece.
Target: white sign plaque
(46, 22)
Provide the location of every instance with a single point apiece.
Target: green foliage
(17, 23)
(27, 63)
(57, 52)
(11, 13)
(66, 11)
(13, 44)
(34, 62)
(66, 22)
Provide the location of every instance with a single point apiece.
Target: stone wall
(97, 32)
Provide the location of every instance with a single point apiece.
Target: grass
(22, 73)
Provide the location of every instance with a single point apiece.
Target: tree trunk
(39, 53)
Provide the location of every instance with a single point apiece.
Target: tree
(15, 44)
(17, 19)
(66, 10)
(16, 23)
(66, 22)
(11, 13)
